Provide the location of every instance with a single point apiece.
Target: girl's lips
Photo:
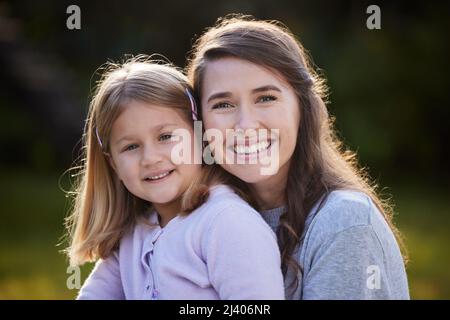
(162, 176)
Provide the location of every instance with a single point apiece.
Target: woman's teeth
(254, 148)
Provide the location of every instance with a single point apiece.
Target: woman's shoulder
(348, 235)
(343, 210)
(351, 221)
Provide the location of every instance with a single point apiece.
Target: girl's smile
(157, 177)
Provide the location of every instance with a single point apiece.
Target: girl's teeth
(257, 147)
(159, 176)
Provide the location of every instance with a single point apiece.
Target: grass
(31, 265)
(33, 209)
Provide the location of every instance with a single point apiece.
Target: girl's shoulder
(226, 210)
(227, 218)
(221, 195)
(223, 200)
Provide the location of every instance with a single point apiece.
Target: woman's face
(240, 95)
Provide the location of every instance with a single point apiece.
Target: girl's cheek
(190, 171)
(127, 164)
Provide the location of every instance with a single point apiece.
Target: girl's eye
(165, 137)
(222, 105)
(267, 98)
(130, 147)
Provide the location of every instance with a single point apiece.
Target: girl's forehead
(155, 112)
(138, 115)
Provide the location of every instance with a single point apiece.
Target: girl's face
(141, 146)
(240, 95)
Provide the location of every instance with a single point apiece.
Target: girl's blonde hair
(103, 209)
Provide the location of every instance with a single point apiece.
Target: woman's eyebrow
(266, 88)
(219, 95)
(228, 94)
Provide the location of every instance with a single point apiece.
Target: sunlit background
(389, 93)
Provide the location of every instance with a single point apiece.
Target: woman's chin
(249, 173)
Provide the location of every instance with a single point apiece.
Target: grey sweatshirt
(347, 251)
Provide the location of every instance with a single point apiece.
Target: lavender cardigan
(222, 250)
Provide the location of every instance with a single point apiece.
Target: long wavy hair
(320, 163)
(103, 210)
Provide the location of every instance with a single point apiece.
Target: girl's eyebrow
(156, 128)
(228, 94)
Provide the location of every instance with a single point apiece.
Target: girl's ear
(111, 162)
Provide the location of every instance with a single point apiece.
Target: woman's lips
(254, 148)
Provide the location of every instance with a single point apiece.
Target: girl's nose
(150, 155)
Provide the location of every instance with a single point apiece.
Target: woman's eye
(130, 147)
(267, 98)
(222, 105)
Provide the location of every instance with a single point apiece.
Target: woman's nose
(246, 119)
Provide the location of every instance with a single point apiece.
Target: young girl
(336, 236)
(159, 229)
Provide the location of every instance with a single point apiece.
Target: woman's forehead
(232, 73)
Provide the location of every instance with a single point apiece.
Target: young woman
(336, 236)
(158, 228)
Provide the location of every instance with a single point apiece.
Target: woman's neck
(270, 193)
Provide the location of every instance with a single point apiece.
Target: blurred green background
(389, 93)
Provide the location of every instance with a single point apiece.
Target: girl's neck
(167, 211)
(270, 193)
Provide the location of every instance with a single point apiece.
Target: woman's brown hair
(319, 164)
